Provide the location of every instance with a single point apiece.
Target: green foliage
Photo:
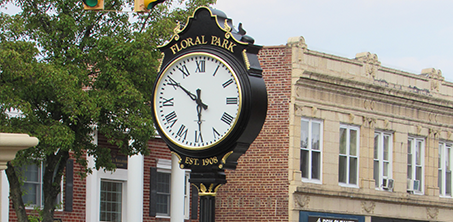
(71, 72)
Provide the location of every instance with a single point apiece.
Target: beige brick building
(345, 140)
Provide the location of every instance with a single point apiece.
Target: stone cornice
(10, 143)
(378, 196)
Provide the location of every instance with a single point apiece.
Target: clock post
(209, 100)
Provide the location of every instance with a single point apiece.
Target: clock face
(197, 100)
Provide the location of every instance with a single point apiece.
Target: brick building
(344, 140)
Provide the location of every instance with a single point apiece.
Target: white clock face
(197, 101)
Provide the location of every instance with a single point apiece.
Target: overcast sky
(408, 35)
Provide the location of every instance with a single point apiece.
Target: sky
(408, 35)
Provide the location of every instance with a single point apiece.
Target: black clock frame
(246, 128)
(205, 26)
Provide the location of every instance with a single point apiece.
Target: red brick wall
(258, 189)
(79, 199)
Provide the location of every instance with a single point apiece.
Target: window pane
(386, 147)
(376, 173)
(439, 181)
(376, 146)
(342, 141)
(31, 194)
(386, 169)
(32, 173)
(353, 143)
(304, 134)
(439, 160)
(409, 172)
(316, 167)
(418, 174)
(409, 146)
(316, 134)
(304, 163)
(342, 170)
(353, 171)
(448, 183)
(163, 193)
(418, 153)
(111, 201)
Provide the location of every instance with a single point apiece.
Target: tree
(71, 72)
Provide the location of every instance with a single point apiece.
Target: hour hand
(198, 100)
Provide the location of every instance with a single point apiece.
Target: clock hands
(196, 98)
(191, 95)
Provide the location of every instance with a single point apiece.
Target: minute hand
(174, 83)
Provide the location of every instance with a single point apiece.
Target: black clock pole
(207, 183)
(209, 37)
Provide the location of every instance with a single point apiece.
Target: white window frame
(413, 156)
(164, 166)
(309, 149)
(187, 195)
(379, 157)
(349, 156)
(40, 189)
(123, 197)
(444, 165)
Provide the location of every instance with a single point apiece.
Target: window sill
(348, 185)
(163, 216)
(304, 180)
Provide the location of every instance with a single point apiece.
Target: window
(415, 163)
(160, 199)
(187, 195)
(32, 188)
(349, 155)
(111, 201)
(310, 149)
(163, 193)
(382, 173)
(444, 164)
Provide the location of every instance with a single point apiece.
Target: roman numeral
(215, 72)
(227, 118)
(216, 134)
(231, 100)
(184, 70)
(172, 82)
(201, 66)
(167, 102)
(171, 118)
(182, 132)
(198, 137)
(227, 83)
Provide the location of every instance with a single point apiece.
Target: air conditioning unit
(413, 185)
(387, 184)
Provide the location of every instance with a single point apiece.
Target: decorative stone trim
(368, 206)
(301, 201)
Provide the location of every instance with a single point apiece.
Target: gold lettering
(192, 161)
(197, 41)
(203, 41)
(210, 161)
(182, 44)
(173, 48)
(225, 44)
(189, 42)
(230, 47)
(215, 41)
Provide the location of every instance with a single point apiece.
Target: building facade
(344, 140)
